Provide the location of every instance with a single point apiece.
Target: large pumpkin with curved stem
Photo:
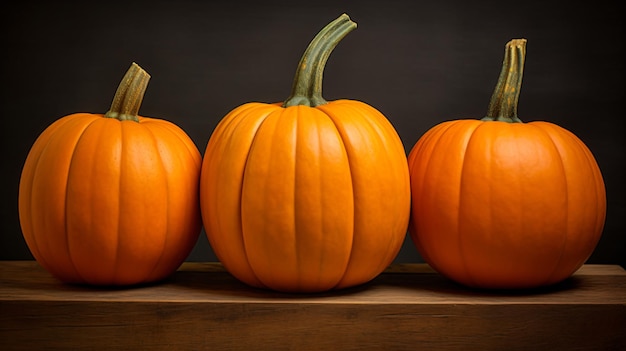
(498, 203)
(111, 199)
(306, 195)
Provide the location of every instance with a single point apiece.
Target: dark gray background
(418, 62)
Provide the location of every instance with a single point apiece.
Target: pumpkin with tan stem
(111, 199)
(306, 195)
(498, 203)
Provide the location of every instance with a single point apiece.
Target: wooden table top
(407, 307)
(399, 284)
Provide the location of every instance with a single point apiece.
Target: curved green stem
(129, 95)
(307, 84)
(503, 104)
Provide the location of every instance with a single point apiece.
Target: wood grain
(408, 307)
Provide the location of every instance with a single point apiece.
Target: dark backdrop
(418, 62)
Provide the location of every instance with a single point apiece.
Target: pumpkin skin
(305, 198)
(505, 205)
(105, 201)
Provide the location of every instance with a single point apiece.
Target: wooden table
(408, 307)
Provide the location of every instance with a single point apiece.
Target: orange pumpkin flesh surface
(111, 199)
(306, 195)
(502, 204)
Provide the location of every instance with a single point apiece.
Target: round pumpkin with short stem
(111, 199)
(498, 203)
(306, 195)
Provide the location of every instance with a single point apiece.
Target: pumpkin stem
(129, 95)
(307, 84)
(503, 104)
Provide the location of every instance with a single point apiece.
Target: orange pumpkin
(498, 203)
(306, 195)
(111, 199)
